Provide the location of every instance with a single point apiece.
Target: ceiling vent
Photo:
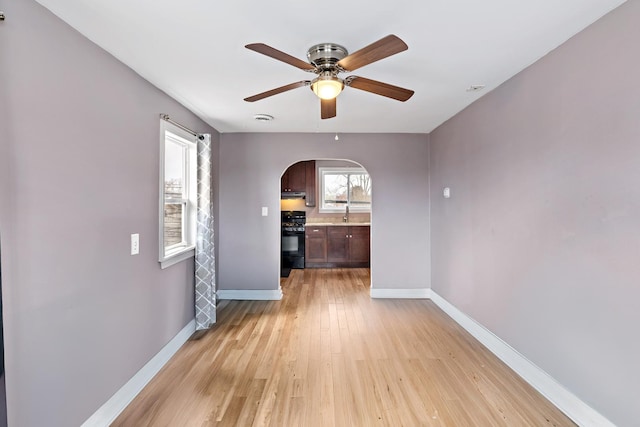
(263, 117)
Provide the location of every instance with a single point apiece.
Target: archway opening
(335, 201)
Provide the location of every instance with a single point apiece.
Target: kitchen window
(177, 194)
(341, 187)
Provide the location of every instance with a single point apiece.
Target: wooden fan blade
(381, 49)
(277, 90)
(379, 88)
(327, 108)
(280, 56)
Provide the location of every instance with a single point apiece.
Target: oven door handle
(292, 233)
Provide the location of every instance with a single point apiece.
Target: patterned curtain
(205, 258)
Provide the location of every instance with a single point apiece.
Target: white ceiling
(194, 51)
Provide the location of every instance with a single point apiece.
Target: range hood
(293, 195)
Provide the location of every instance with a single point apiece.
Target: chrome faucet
(345, 218)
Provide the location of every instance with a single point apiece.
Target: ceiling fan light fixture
(327, 86)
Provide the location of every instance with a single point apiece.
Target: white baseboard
(250, 294)
(423, 293)
(108, 412)
(581, 413)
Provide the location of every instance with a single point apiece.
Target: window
(177, 194)
(340, 187)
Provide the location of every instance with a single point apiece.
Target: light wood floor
(329, 355)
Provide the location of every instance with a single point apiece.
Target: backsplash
(332, 219)
(314, 216)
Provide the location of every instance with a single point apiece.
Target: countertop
(332, 224)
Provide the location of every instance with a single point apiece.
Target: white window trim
(186, 250)
(339, 170)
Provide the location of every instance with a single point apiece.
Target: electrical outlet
(135, 244)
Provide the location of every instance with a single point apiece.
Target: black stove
(292, 241)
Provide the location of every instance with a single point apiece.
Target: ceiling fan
(327, 60)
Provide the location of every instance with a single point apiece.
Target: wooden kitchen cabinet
(295, 178)
(310, 181)
(315, 250)
(301, 177)
(359, 247)
(337, 246)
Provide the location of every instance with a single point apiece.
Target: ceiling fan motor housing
(325, 56)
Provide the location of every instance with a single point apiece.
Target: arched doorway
(335, 198)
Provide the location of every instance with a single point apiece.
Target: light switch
(265, 211)
(135, 244)
(446, 192)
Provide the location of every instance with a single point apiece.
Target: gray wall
(79, 173)
(252, 166)
(539, 241)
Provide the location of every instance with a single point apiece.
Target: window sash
(170, 228)
(177, 228)
(346, 198)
